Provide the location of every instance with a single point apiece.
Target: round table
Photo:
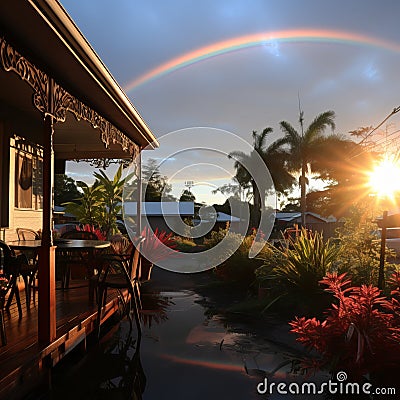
(65, 247)
(62, 244)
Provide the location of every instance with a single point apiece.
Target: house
(58, 102)
(314, 222)
(165, 215)
(221, 221)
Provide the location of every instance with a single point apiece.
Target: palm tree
(305, 146)
(274, 158)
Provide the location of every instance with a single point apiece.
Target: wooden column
(46, 274)
(139, 196)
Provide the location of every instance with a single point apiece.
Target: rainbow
(203, 363)
(258, 39)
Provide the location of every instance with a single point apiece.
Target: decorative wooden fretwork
(104, 163)
(52, 99)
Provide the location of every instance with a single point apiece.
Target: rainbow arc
(258, 39)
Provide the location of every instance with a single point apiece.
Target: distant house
(314, 222)
(221, 220)
(162, 215)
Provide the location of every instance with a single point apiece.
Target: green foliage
(100, 203)
(156, 186)
(111, 196)
(307, 259)
(360, 249)
(86, 208)
(236, 267)
(65, 189)
(292, 274)
(305, 147)
(184, 244)
(274, 158)
(187, 195)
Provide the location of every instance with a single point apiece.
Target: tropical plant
(359, 335)
(234, 266)
(158, 244)
(88, 207)
(111, 196)
(305, 146)
(100, 203)
(91, 228)
(295, 271)
(275, 160)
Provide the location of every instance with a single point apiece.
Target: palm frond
(291, 134)
(260, 141)
(319, 124)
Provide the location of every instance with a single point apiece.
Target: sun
(384, 179)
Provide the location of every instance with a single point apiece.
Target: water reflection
(181, 354)
(154, 307)
(122, 375)
(112, 371)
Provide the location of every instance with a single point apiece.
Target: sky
(239, 66)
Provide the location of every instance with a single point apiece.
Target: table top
(61, 244)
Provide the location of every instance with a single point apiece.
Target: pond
(184, 353)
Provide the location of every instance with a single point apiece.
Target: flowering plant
(159, 244)
(90, 228)
(361, 333)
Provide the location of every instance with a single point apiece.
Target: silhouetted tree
(65, 189)
(305, 146)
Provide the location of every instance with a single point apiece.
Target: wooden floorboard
(22, 357)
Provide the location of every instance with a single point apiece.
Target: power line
(394, 111)
(376, 144)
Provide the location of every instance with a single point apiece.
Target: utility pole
(303, 204)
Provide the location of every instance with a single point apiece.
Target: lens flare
(384, 179)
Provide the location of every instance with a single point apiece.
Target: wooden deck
(24, 363)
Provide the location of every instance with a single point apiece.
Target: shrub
(184, 244)
(237, 266)
(158, 245)
(360, 334)
(295, 271)
(360, 249)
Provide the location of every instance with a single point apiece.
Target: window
(28, 180)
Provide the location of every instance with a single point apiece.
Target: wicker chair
(121, 246)
(11, 265)
(122, 275)
(73, 258)
(27, 234)
(29, 270)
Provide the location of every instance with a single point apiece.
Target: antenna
(189, 184)
(301, 115)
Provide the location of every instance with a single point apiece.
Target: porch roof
(43, 32)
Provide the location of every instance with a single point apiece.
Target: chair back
(5, 257)
(133, 269)
(84, 235)
(121, 245)
(27, 234)
(9, 261)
